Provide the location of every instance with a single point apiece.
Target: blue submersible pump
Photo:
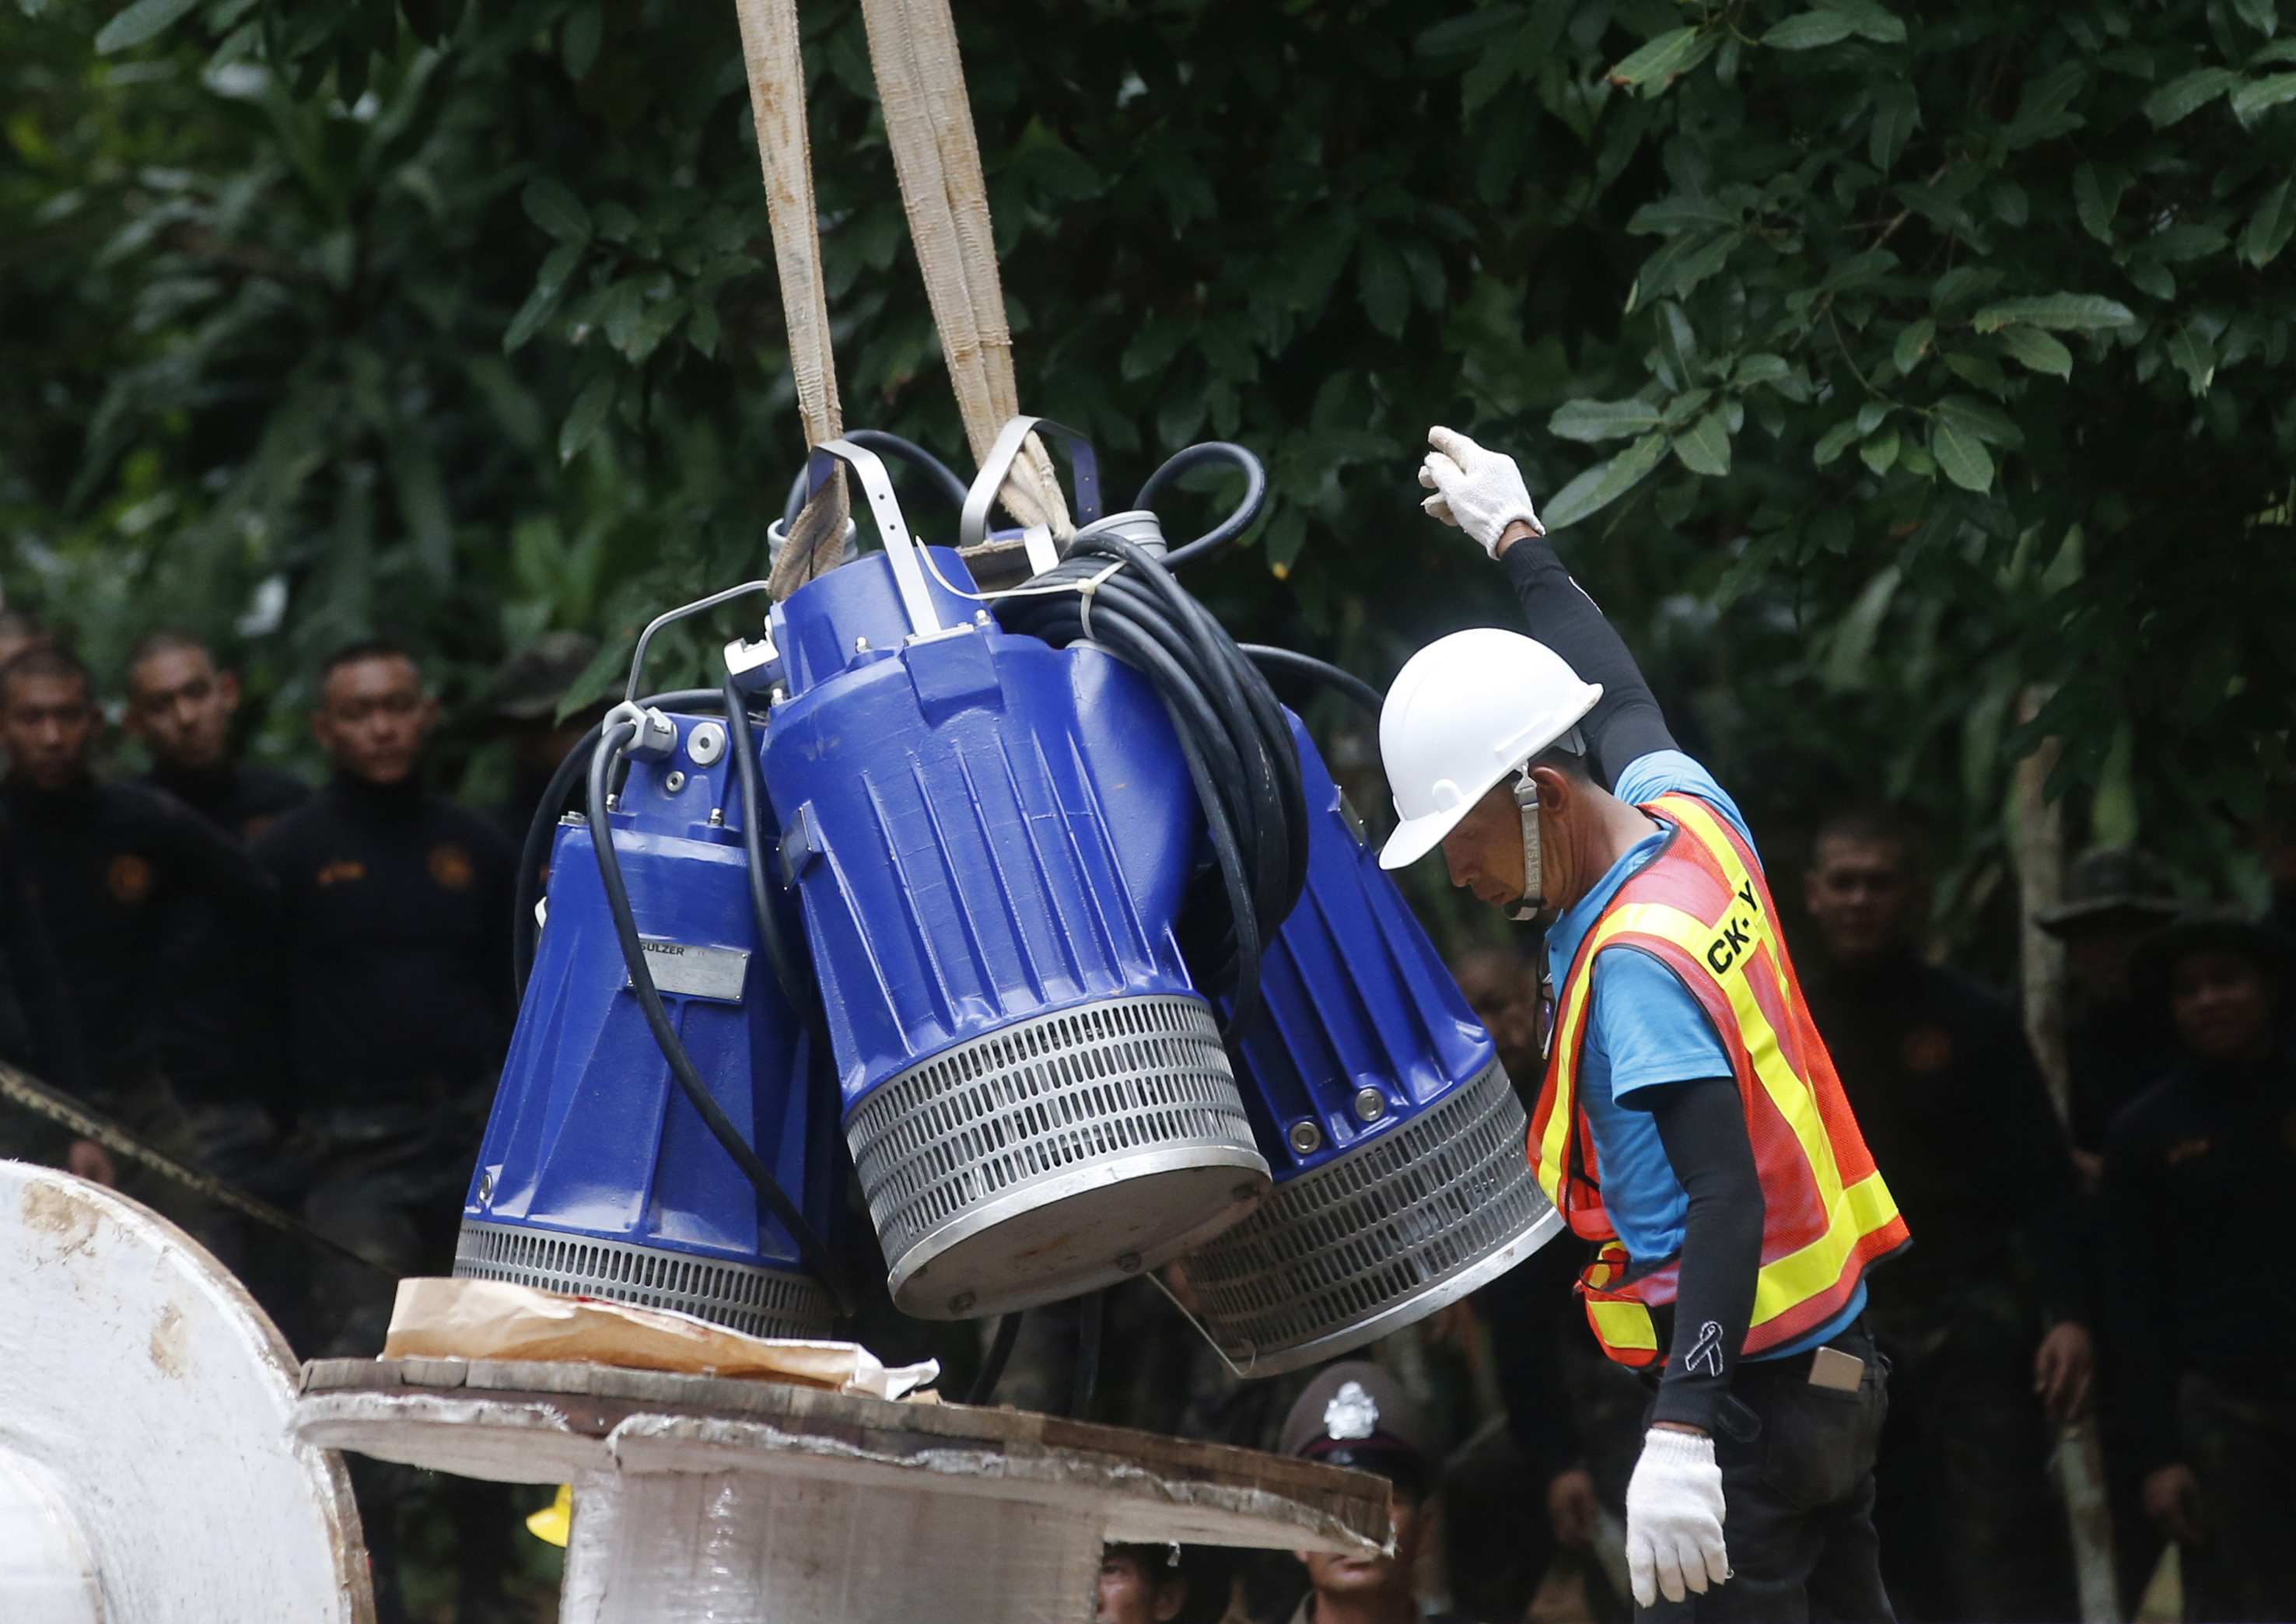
(659, 1134)
(993, 840)
(1398, 1141)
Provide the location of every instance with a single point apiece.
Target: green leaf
(2251, 101)
(1880, 454)
(1604, 483)
(587, 417)
(1385, 285)
(1857, 270)
(2278, 51)
(1871, 20)
(2151, 276)
(1810, 30)
(1871, 415)
(1962, 282)
(553, 206)
(1980, 370)
(1666, 58)
(1913, 343)
(2262, 15)
(2268, 228)
(1987, 422)
(1761, 368)
(2182, 97)
(143, 20)
(1669, 215)
(2194, 356)
(2076, 310)
(2174, 244)
(1589, 420)
(548, 286)
(1897, 115)
(2094, 201)
(579, 38)
(1704, 447)
(1835, 441)
(1962, 455)
(2036, 350)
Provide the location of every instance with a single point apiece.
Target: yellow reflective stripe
(1815, 1269)
(1623, 1325)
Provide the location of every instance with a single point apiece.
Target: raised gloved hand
(1674, 1518)
(1480, 491)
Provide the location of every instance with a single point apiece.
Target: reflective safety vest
(1701, 909)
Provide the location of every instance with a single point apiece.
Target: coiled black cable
(1231, 730)
(815, 1255)
(1223, 535)
(937, 473)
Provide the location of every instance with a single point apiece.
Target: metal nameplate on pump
(688, 972)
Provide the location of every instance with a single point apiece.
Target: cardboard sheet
(489, 1319)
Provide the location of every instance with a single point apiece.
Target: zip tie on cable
(1084, 590)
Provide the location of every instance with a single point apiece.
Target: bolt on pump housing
(990, 839)
(1403, 1180)
(597, 1176)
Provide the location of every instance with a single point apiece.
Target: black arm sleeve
(1626, 723)
(1702, 1125)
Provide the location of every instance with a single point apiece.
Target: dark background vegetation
(1877, 365)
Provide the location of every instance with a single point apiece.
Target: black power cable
(992, 1368)
(1231, 730)
(1347, 684)
(1092, 1318)
(809, 1246)
(1223, 535)
(797, 987)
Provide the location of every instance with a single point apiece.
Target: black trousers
(1798, 1499)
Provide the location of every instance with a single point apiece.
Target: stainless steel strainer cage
(741, 1296)
(1059, 1101)
(1379, 1237)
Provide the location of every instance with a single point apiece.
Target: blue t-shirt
(1644, 1030)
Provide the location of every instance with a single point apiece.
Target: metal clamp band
(974, 525)
(924, 620)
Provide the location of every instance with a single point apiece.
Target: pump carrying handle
(973, 527)
(892, 530)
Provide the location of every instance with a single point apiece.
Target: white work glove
(1480, 491)
(1673, 1517)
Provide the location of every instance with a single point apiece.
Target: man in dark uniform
(180, 705)
(2117, 1045)
(2199, 1229)
(38, 1032)
(1958, 1118)
(127, 878)
(1355, 1415)
(395, 930)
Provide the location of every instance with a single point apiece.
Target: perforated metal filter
(1055, 1155)
(741, 1296)
(1385, 1234)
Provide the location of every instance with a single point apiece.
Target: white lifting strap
(776, 69)
(929, 125)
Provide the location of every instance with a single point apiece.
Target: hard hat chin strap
(1534, 878)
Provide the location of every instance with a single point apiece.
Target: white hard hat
(1463, 713)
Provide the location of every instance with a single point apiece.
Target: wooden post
(2039, 836)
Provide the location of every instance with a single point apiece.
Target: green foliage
(460, 321)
